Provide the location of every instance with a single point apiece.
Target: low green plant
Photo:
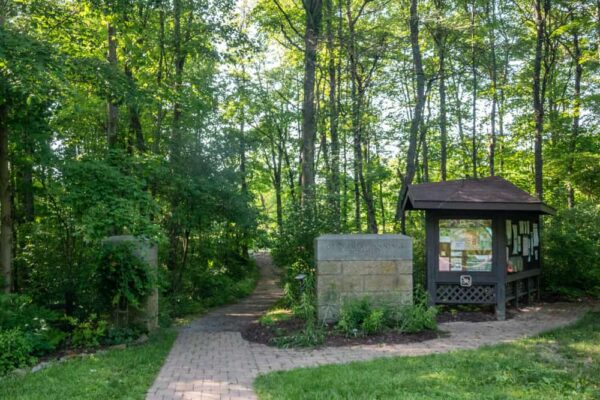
(418, 316)
(89, 333)
(15, 350)
(115, 335)
(375, 322)
(38, 324)
(359, 317)
(312, 334)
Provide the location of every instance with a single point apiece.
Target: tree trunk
(538, 104)
(443, 117)
(313, 10)
(159, 76)
(474, 88)
(417, 114)
(440, 43)
(179, 62)
(111, 120)
(334, 195)
(494, 91)
(135, 125)
(6, 227)
(576, 54)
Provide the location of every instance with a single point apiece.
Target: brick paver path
(210, 360)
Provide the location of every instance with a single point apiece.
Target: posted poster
(536, 236)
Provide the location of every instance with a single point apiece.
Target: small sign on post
(466, 280)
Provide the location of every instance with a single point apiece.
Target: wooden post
(499, 251)
(431, 230)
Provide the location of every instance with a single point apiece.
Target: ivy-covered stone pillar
(147, 251)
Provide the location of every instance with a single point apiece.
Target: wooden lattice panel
(476, 294)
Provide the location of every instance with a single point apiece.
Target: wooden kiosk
(482, 241)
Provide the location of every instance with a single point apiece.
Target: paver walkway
(210, 360)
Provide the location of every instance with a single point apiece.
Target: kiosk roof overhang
(485, 194)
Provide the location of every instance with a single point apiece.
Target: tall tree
(541, 10)
(417, 117)
(6, 221)
(313, 15)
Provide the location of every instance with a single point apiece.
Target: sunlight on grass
(563, 364)
(116, 374)
(275, 315)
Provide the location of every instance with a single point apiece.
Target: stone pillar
(356, 266)
(147, 251)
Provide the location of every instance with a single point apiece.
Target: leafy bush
(375, 322)
(572, 251)
(353, 314)
(119, 335)
(359, 317)
(37, 324)
(419, 316)
(15, 350)
(89, 333)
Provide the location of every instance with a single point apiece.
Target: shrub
(418, 316)
(118, 335)
(572, 251)
(15, 350)
(89, 333)
(352, 316)
(375, 322)
(37, 324)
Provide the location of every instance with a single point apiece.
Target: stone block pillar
(355, 266)
(147, 251)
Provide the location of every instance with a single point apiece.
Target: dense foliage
(572, 259)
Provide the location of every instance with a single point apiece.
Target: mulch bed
(266, 334)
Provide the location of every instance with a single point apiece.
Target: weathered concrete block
(369, 267)
(350, 267)
(330, 267)
(363, 247)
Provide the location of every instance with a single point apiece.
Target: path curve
(210, 360)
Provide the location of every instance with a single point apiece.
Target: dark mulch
(258, 333)
(467, 316)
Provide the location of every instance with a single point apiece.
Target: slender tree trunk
(334, 195)
(417, 114)
(440, 42)
(598, 26)
(576, 54)
(494, 91)
(6, 221)
(159, 78)
(538, 103)
(443, 117)
(313, 10)
(135, 125)
(474, 83)
(112, 110)
(179, 63)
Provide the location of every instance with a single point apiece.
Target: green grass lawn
(116, 374)
(562, 364)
